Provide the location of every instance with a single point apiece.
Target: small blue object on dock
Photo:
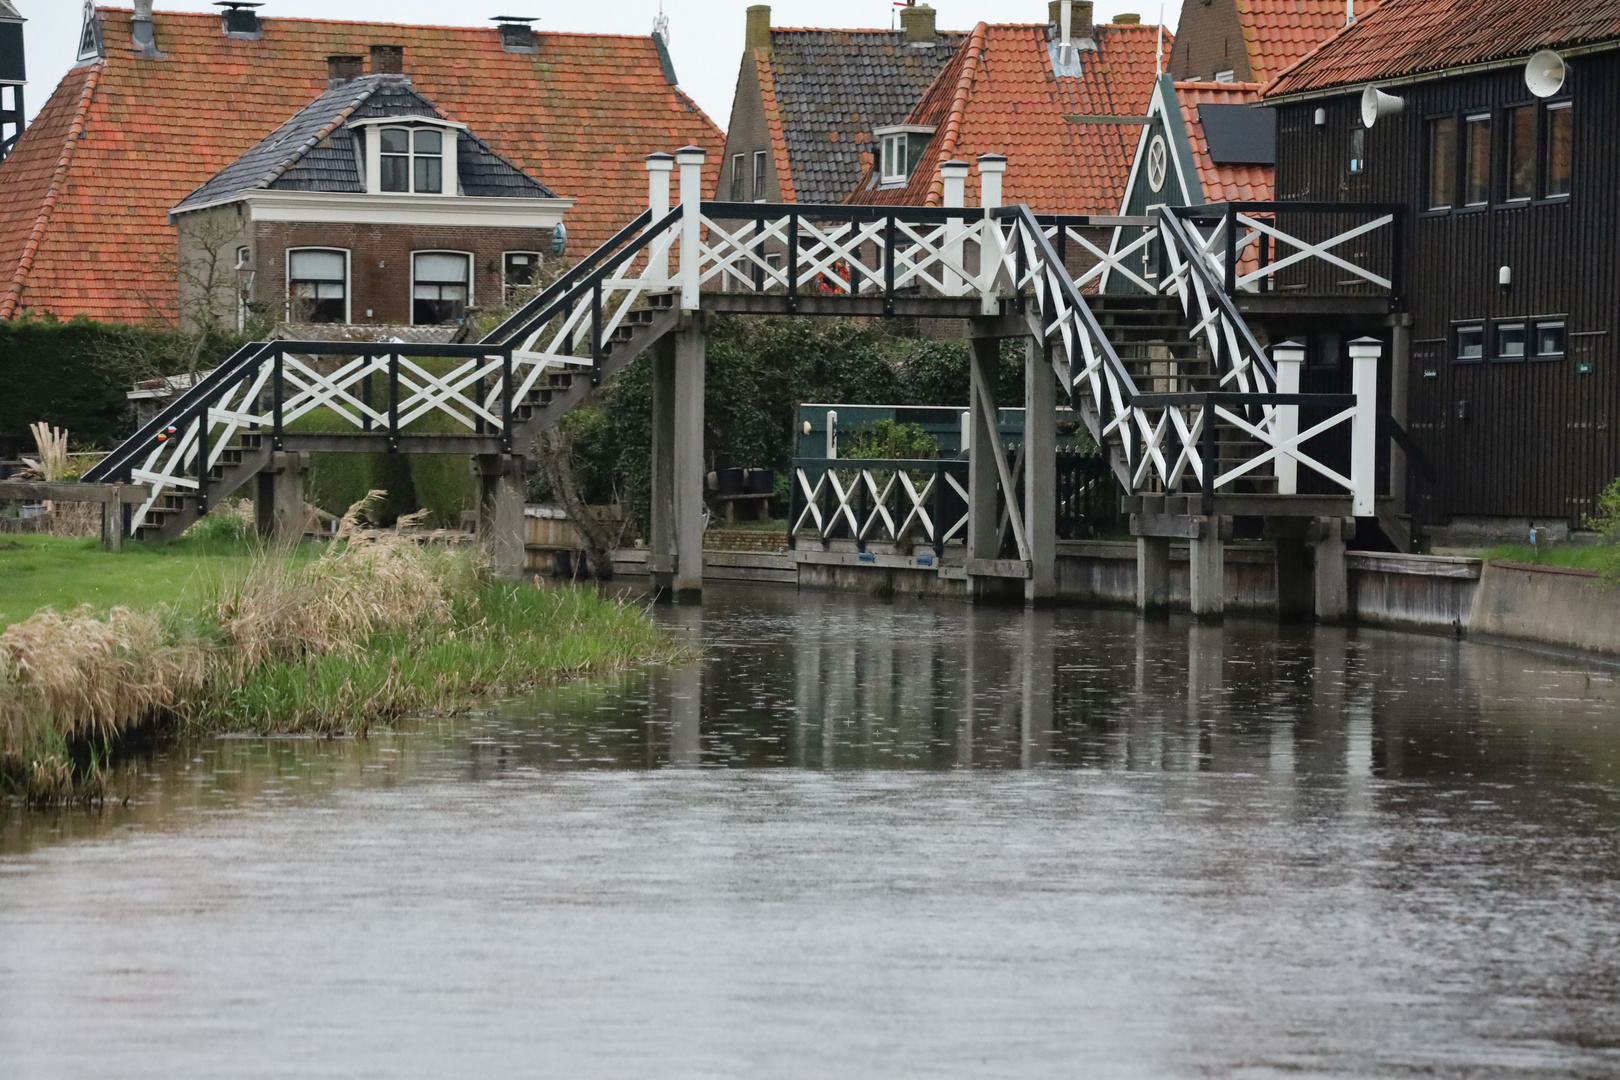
(925, 560)
(867, 556)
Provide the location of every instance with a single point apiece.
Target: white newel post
(659, 168)
(954, 174)
(690, 159)
(1289, 358)
(1364, 354)
(991, 168)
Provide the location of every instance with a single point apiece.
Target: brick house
(367, 208)
(158, 104)
(1253, 41)
(808, 101)
(1013, 89)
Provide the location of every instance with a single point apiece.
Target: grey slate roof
(317, 151)
(9, 12)
(849, 82)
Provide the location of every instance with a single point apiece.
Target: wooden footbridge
(1201, 422)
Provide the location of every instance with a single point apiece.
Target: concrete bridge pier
(1207, 558)
(676, 528)
(501, 488)
(1153, 574)
(1040, 473)
(1332, 574)
(278, 502)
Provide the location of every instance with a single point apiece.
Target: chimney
(140, 30)
(918, 23)
(1081, 21)
(517, 36)
(1128, 19)
(388, 59)
(343, 70)
(759, 27)
(241, 19)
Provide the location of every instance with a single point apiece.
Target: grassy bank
(1604, 558)
(267, 641)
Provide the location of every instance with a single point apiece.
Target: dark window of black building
(1442, 162)
(1477, 160)
(1560, 149)
(1520, 125)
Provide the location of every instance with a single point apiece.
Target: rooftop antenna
(894, 12)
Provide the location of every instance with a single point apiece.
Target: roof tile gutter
(1484, 66)
(25, 265)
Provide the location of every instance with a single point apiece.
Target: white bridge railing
(997, 260)
(884, 501)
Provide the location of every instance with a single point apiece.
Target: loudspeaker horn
(1376, 104)
(1545, 73)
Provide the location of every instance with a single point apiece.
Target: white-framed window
(1226, 76)
(441, 287)
(411, 155)
(759, 175)
(899, 149)
(1549, 340)
(520, 269)
(738, 178)
(896, 168)
(412, 160)
(1470, 347)
(318, 285)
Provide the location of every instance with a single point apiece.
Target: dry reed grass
(77, 679)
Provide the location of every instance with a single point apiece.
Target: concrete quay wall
(1541, 605)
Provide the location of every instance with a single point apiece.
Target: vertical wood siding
(1540, 440)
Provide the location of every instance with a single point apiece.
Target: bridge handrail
(505, 331)
(228, 374)
(1392, 214)
(583, 285)
(1196, 260)
(1024, 218)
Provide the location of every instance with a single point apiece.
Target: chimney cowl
(759, 28)
(343, 70)
(917, 21)
(1082, 23)
(388, 59)
(241, 19)
(517, 35)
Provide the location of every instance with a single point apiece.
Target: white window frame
(348, 278)
(449, 171)
(738, 192)
(539, 261)
(761, 174)
(1229, 75)
(898, 135)
(472, 277)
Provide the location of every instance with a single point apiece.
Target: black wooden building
(1495, 127)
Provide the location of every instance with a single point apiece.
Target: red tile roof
(998, 96)
(773, 121)
(1415, 37)
(1222, 183)
(1279, 32)
(83, 217)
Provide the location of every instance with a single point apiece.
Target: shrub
(889, 439)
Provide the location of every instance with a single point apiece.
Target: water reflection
(831, 682)
(861, 838)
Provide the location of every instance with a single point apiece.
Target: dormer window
(411, 156)
(899, 150)
(413, 160)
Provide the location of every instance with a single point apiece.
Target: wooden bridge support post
(1152, 574)
(1399, 392)
(1294, 586)
(1332, 576)
(690, 352)
(279, 498)
(500, 514)
(1040, 475)
(661, 529)
(983, 531)
(1207, 554)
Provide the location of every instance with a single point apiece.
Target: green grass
(1603, 558)
(47, 571)
(505, 639)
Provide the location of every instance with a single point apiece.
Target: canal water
(864, 839)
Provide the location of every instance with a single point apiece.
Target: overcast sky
(706, 35)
